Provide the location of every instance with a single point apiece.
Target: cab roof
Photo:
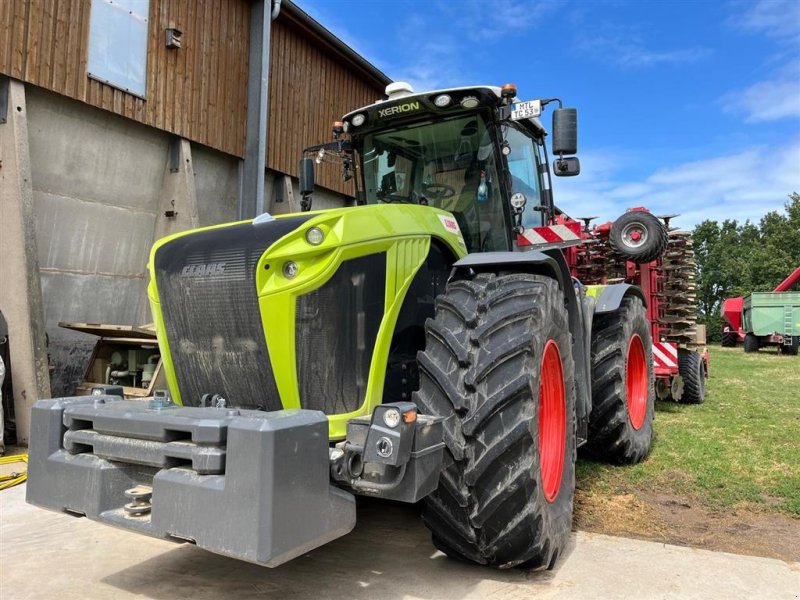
(403, 92)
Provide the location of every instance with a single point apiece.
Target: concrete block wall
(98, 181)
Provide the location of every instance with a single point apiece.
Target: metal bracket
(174, 154)
(4, 93)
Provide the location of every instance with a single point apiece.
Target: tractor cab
(474, 152)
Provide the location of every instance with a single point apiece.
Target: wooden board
(106, 330)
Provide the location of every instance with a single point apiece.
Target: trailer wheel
(498, 366)
(791, 350)
(638, 236)
(729, 339)
(623, 390)
(693, 371)
(751, 342)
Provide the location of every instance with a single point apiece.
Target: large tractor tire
(729, 339)
(791, 349)
(497, 365)
(693, 371)
(751, 342)
(623, 390)
(638, 236)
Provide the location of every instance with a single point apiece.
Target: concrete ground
(389, 556)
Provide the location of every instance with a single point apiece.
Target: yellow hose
(12, 479)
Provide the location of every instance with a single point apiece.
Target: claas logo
(207, 270)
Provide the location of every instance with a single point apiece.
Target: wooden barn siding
(198, 91)
(310, 87)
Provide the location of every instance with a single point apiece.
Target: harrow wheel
(638, 236)
(693, 371)
(498, 366)
(623, 391)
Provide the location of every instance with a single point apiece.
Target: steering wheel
(438, 191)
(389, 198)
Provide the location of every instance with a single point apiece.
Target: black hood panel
(209, 302)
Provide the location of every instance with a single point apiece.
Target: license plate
(526, 110)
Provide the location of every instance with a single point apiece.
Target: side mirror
(567, 167)
(565, 131)
(306, 176)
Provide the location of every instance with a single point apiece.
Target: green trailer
(772, 319)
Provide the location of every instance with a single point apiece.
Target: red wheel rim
(636, 381)
(552, 420)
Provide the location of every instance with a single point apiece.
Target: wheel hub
(552, 421)
(636, 381)
(634, 235)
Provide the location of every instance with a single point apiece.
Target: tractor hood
(295, 311)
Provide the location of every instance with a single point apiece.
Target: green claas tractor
(426, 345)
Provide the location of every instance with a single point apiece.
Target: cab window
(523, 166)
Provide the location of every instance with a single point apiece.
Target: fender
(550, 263)
(490, 261)
(609, 297)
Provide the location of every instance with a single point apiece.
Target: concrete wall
(98, 190)
(216, 179)
(97, 184)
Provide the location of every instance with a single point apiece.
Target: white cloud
(495, 20)
(629, 53)
(444, 42)
(775, 18)
(769, 100)
(777, 95)
(435, 61)
(745, 185)
(625, 46)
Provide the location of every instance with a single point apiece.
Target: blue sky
(688, 107)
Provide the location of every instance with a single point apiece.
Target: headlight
(391, 417)
(469, 102)
(358, 120)
(314, 236)
(442, 100)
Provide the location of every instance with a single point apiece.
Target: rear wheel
(693, 371)
(729, 339)
(497, 366)
(751, 343)
(623, 391)
(791, 349)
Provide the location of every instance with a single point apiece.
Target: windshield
(447, 164)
